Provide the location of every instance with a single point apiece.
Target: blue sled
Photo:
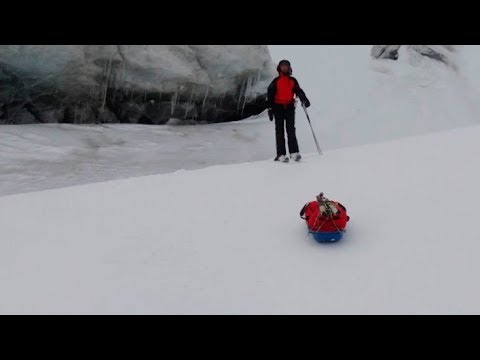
(327, 237)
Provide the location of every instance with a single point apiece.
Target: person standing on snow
(281, 105)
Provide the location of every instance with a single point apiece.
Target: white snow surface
(214, 228)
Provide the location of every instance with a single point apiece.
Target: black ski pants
(285, 118)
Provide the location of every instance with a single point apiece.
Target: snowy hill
(228, 239)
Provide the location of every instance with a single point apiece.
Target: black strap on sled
(302, 212)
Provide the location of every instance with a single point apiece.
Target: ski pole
(314, 137)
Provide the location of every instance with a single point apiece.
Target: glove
(270, 114)
(306, 103)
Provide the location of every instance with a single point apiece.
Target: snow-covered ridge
(442, 53)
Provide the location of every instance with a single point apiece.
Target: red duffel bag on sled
(326, 219)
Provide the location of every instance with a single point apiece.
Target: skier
(281, 105)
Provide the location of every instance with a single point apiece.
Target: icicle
(244, 101)
(117, 80)
(174, 102)
(205, 99)
(124, 71)
(109, 66)
(257, 80)
(188, 104)
(247, 92)
(240, 96)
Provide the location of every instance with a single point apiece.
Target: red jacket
(285, 94)
(282, 91)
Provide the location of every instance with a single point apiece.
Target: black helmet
(285, 62)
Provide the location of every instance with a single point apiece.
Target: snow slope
(228, 239)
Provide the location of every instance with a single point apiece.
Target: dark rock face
(145, 84)
(385, 51)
